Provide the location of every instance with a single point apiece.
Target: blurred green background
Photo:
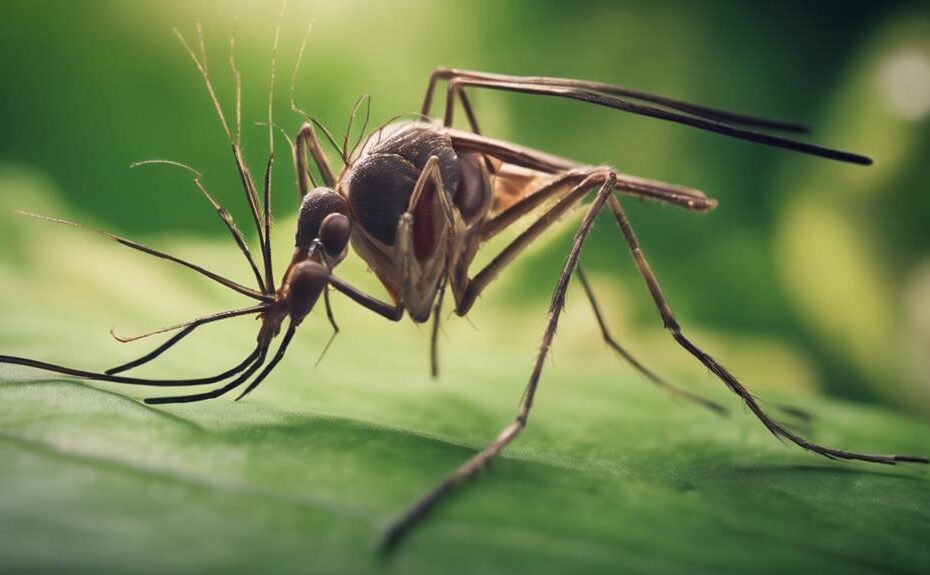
(808, 276)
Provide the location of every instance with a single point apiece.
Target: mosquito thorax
(306, 281)
(380, 182)
(323, 218)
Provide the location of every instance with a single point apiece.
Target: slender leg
(346, 152)
(188, 328)
(400, 526)
(469, 112)
(473, 123)
(642, 188)
(434, 337)
(165, 256)
(681, 196)
(511, 153)
(717, 121)
(789, 410)
(553, 190)
(286, 341)
(466, 105)
(262, 352)
(307, 141)
(332, 322)
(671, 324)
(623, 353)
(266, 248)
(466, 291)
(431, 175)
(452, 223)
(223, 214)
(460, 94)
(686, 197)
(518, 210)
(430, 91)
(269, 169)
(534, 159)
(248, 184)
(392, 312)
(693, 109)
(80, 373)
(315, 148)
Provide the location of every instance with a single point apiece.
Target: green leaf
(610, 476)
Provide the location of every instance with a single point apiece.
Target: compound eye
(316, 206)
(334, 234)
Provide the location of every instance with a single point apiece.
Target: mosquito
(417, 200)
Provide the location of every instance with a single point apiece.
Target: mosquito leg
(553, 190)
(400, 526)
(452, 223)
(162, 255)
(286, 341)
(671, 324)
(315, 149)
(437, 74)
(430, 90)
(332, 322)
(94, 376)
(248, 184)
(307, 141)
(469, 112)
(307, 137)
(391, 312)
(188, 328)
(568, 190)
(224, 215)
(623, 353)
(156, 352)
(329, 312)
(466, 291)
(266, 248)
(269, 169)
(608, 89)
(258, 359)
(346, 152)
(700, 117)
(681, 196)
(463, 98)
(434, 336)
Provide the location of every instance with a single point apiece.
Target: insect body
(418, 200)
(407, 190)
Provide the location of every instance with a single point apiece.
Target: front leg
(392, 312)
(399, 527)
(450, 232)
(307, 141)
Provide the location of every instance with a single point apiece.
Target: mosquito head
(323, 222)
